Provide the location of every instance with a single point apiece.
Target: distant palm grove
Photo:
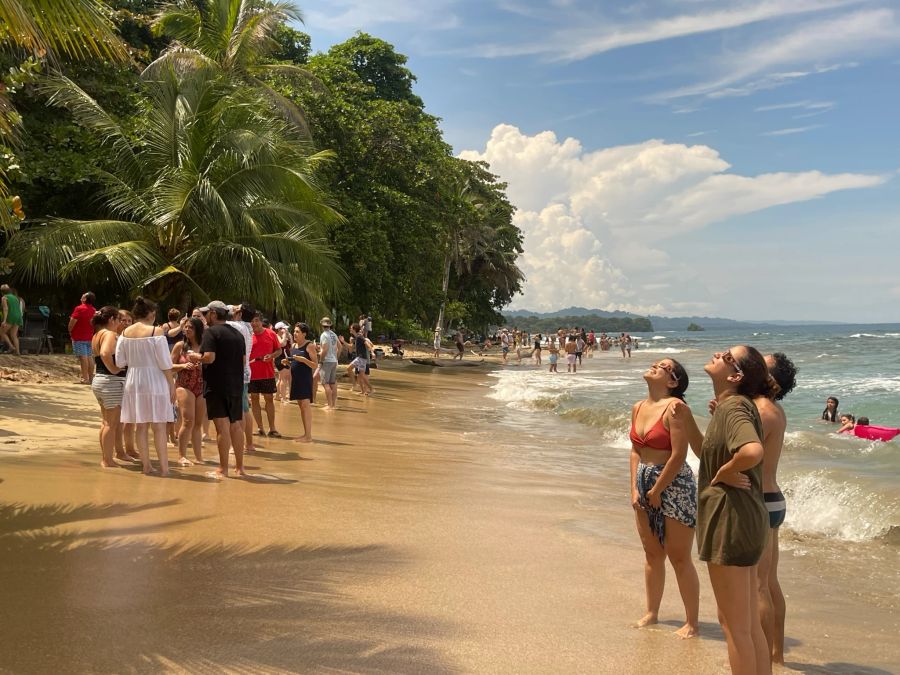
(195, 149)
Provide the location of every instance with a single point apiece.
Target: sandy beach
(407, 538)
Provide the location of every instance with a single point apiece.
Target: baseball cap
(280, 325)
(326, 321)
(216, 305)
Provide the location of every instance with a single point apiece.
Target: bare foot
(250, 450)
(687, 631)
(149, 471)
(303, 439)
(240, 472)
(122, 457)
(647, 620)
(218, 474)
(184, 461)
(198, 460)
(108, 465)
(134, 457)
(164, 474)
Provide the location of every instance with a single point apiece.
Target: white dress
(146, 396)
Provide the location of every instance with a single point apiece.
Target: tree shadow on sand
(82, 602)
(836, 669)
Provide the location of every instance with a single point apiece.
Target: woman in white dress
(149, 386)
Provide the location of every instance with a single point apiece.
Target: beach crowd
(222, 366)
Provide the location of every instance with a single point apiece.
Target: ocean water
(840, 489)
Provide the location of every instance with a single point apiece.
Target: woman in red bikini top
(663, 490)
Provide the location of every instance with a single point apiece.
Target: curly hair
(785, 373)
(757, 381)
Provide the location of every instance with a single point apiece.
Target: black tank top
(361, 349)
(100, 366)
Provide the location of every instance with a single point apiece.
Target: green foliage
(693, 327)
(217, 197)
(599, 324)
(248, 92)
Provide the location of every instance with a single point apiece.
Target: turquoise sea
(839, 489)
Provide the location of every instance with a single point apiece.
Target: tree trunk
(440, 320)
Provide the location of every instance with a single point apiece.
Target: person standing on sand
(284, 372)
(149, 394)
(437, 342)
(82, 333)
(223, 355)
(240, 317)
(328, 363)
(553, 348)
(360, 364)
(774, 422)
(536, 352)
(663, 490)
(13, 313)
(109, 383)
(266, 347)
(189, 391)
(732, 520)
(302, 362)
(125, 446)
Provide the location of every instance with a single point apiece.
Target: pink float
(872, 432)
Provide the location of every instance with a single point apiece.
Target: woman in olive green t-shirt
(732, 521)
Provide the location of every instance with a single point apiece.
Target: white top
(329, 337)
(146, 397)
(244, 329)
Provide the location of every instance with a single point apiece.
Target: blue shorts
(82, 348)
(245, 397)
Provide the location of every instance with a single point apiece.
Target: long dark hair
(682, 377)
(829, 415)
(197, 325)
(757, 381)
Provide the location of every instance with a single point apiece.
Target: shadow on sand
(83, 602)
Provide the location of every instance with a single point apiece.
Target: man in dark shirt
(222, 355)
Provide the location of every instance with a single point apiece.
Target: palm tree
(51, 29)
(237, 35)
(216, 197)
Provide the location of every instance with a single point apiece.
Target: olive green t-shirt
(732, 524)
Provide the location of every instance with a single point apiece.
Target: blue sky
(722, 157)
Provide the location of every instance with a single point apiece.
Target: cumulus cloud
(595, 222)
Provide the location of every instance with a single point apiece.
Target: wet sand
(394, 543)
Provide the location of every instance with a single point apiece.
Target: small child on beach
(553, 348)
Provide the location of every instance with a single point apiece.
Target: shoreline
(411, 537)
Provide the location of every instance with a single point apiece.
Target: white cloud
(805, 48)
(596, 222)
(804, 105)
(592, 34)
(791, 130)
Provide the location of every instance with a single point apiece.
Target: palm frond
(75, 29)
(129, 262)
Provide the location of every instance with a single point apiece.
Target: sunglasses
(669, 369)
(728, 358)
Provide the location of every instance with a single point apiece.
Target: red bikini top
(657, 438)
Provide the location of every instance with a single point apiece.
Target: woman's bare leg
(679, 543)
(186, 408)
(735, 591)
(14, 338)
(142, 442)
(654, 569)
(160, 439)
(197, 429)
(306, 419)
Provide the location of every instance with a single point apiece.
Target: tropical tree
(48, 29)
(217, 196)
(239, 36)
